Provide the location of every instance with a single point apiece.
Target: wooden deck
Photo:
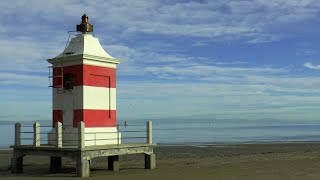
(80, 153)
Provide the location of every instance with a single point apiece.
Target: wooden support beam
(55, 164)
(149, 132)
(36, 134)
(113, 163)
(17, 136)
(150, 161)
(83, 167)
(58, 134)
(17, 162)
(81, 137)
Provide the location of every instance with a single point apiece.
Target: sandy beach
(243, 161)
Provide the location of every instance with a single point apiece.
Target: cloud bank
(311, 66)
(161, 74)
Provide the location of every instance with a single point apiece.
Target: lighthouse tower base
(92, 136)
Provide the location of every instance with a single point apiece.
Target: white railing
(81, 135)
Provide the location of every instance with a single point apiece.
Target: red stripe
(56, 116)
(87, 75)
(99, 76)
(95, 118)
(76, 71)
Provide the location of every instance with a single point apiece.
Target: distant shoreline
(215, 144)
(233, 143)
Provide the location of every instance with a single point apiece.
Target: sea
(194, 132)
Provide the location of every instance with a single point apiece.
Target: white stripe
(93, 136)
(63, 100)
(101, 129)
(99, 98)
(74, 62)
(85, 97)
(98, 63)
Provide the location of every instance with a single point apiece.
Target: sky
(221, 59)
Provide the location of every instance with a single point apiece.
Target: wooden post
(16, 164)
(118, 134)
(81, 137)
(150, 161)
(83, 167)
(149, 132)
(36, 134)
(58, 134)
(17, 136)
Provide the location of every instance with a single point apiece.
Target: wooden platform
(82, 156)
(80, 153)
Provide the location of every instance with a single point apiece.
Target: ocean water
(197, 132)
(221, 132)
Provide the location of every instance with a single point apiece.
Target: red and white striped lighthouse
(84, 89)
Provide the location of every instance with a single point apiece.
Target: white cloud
(23, 79)
(215, 73)
(311, 66)
(175, 66)
(132, 55)
(161, 99)
(183, 84)
(27, 54)
(255, 20)
(22, 110)
(306, 52)
(45, 24)
(25, 104)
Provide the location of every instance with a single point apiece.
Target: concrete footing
(55, 164)
(150, 161)
(83, 168)
(17, 164)
(113, 163)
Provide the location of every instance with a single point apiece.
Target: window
(68, 81)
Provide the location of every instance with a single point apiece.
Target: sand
(250, 161)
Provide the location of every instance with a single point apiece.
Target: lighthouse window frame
(68, 81)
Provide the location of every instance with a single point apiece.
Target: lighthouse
(84, 90)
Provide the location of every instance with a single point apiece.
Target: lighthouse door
(68, 109)
(68, 100)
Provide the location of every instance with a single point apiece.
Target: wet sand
(249, 161)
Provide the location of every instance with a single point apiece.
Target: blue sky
(223, 59)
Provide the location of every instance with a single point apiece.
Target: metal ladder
(54, 75)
